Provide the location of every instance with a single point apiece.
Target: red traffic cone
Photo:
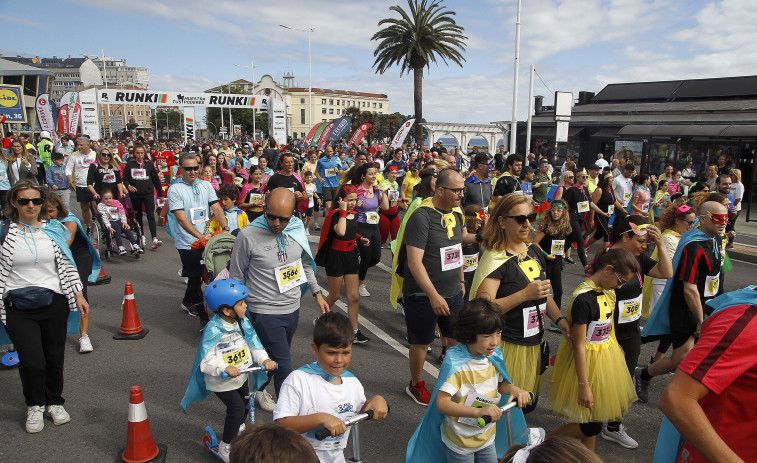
(140, 446)
(131, 327)
(102, 278)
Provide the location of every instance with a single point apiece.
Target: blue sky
(192, 45)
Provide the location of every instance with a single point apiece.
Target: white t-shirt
(30, 269)
(310, 189)
(623, 188)
(306, 394)
(737, 190)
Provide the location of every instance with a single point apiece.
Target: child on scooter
(229, 345)
(322, 393)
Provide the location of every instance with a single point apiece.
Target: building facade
(34, 82)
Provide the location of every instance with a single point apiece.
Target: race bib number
(478, 401)
(238, 181)
(470, 263)
(394, 195)
(256, 198)
(630, 310)
(583, 206)
(645, 207)
(199, 215)
(161, 202)
(558, 247)
(139, 174)
(452, 257)
(330, 443)
(113, 213)
(599, 331)
(611, 209)
(290, 276)
(330, 173)
(711, 285)
(626, 197)
(533, 320)
(235, 353)
(109, 178)
(372, 217)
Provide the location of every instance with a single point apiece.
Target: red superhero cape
(327, 233)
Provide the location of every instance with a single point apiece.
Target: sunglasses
(457, 191)
(25, 201)
(191, 169)
(521, 219)
(570, 176)
(620, 282)
(717, 219)
(273, 218)
(107, 155)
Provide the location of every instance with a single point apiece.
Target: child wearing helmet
(229, 344)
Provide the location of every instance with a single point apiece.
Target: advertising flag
(70, 98)
(189, 123)
(325, 136)
(90, 121)
(360, 132)
(318, 132)
(399, 139)
(11, 104)
(45, 115)
(309, 138)
(63, 120)
(341, 126)
(73, 119)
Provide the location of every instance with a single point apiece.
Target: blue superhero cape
(295, 230)
(196, 390)
(669, 440)
(426, 444)
(92, 251)
(315, 369)
(659, 323)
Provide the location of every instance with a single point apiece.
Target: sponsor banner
(90, 120)
(213, 100)
(45, 116)
(309, 138)
(317, 136)
(341, 126)
(360, 132)
(11, 104)
(278, 120)
(399, 139)
(325, 136)
(70, 98)
(189, 123)
(63, 120)
(73, 119)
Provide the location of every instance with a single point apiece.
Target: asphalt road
(97, 384)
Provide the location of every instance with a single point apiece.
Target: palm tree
(424, 33)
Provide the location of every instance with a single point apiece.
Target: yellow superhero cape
(646, 292)
(489, 262)
(398, 259)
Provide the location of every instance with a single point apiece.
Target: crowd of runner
(478, 244)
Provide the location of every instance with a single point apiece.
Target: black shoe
(570, 261)
(360, 338)
(190, 308)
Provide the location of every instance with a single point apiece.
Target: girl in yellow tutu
(590, 382)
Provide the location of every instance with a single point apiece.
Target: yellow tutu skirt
(608, 378)
(523, 363)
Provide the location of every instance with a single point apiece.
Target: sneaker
(307, 232)
(121, 251)
(419, 393)
(156, 243)
(360, 338)
(619, 436)
(58, 414)
(34, 419)
(143, 241)
(136, 249)
(190, 308)
(186, 280)
(570, 261)
(265, 400)
(317, 227)
(363, 291)
(641, 386)
(85, 345)
(536, 436)
(224, 450)
(401, 308)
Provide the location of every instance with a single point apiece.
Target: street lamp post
(252, 68)
(309, 30)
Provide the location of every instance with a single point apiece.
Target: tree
(240, 116)
(173, 118)
(422, 35)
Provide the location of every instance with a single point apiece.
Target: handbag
(32, 297)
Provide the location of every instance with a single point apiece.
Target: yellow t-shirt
(410, 181)
(242, 221)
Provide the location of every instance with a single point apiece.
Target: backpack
(217, 253)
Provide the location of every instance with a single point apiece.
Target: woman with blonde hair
(511, 274)
(21, 165)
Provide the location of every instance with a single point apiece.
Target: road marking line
(385, 268)
(427, 367)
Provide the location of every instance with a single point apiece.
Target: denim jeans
(487, 454)
(276, 333)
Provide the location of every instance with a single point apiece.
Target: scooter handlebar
(486, 419)
(225, 375)
(323, 433)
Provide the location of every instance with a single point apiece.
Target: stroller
(217, 255)
(101, 237)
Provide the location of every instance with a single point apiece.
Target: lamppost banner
(402, 133)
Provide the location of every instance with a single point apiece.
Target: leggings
(577, 236)
(149, 204)
(117, 226)
(553, 271)
(631, 350)
(369, 255)
(389, 224)
(731, 224)
(236, 410)
(603, 228)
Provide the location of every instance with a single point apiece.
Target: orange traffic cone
(102, 278)
(131, 327)
(140, 446)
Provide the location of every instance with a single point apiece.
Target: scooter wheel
(207, 442)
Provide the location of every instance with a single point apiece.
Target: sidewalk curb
(742, 256)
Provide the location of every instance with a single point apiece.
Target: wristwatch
(317, 293)
(226, 228)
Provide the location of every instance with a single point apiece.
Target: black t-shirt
(505, 185)
(575, 197)
(522, 325)
(628, 300)
(699, 265)
(606, 200)
(284, 181)
(546, 244)
(424, 231)
(104, 179)
(594, 309)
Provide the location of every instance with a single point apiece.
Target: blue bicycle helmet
(224, 292)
